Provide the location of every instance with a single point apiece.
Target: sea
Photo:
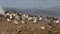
(33, 7)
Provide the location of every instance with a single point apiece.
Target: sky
(43, 4)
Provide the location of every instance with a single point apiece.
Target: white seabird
(23, 16)
(56, 21)
(6, 14)
(34, 19)
(17, 17)
(47, 19)
(8, 20)
(40, 18)
(10, 16)
(14, 14)
(29, 18)
(23, 21)
(15, 21)
(42, 27)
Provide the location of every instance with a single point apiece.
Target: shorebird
(9, 20)
(23, 21)
(6, 13)
(30, 17)
(56, 20)
(17, 17)
(20, 16)
(43, 28)
(48, 19)
(11, 17)
(15, 21)
(40, 18)
(35, 19)
(24, 16)
(27, 16)
(14, 13)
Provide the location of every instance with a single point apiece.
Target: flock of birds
(18, 16)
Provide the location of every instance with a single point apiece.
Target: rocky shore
(10, 25)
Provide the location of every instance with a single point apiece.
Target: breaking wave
(1, 10)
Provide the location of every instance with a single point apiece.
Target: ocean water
(34, 7)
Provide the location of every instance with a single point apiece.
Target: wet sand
(28, 28)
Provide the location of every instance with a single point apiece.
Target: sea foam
(1, 10)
